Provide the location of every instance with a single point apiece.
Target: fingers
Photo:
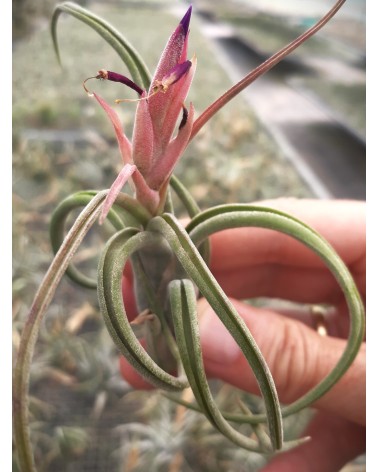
(128, 292)
(335, 319)
(132, 376)
(299, 284)
(334, 442)
(250, 262)
(127, 371)
(297, 356)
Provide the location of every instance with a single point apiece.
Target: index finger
(256, 262)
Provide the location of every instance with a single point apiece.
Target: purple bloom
(150, 157)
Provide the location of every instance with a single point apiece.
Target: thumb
(298, 357)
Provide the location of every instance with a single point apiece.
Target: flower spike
(154, 150)
(173, 51)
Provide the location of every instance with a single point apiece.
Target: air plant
(166, 260)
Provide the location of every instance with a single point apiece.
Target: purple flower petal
(174, 75)
(186, 20)
(115, 77)
(173, 51)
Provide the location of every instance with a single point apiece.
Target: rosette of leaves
(169, 260)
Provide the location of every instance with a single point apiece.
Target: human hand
(264, 263)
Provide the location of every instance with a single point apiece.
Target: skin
(249, 263)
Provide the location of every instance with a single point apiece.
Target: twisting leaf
(135, 215)
(184, 311)
(198, 271)
(234, 216)
(29, 335)
(137, 68)
(186, 198)
(57, 233)
(191, 207)
(111, 266)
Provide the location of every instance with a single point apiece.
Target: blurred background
(298, 131)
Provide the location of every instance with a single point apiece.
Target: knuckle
(292, 361)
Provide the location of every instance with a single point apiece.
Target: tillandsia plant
(165, 261)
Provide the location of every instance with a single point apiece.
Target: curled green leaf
(111, 266)
(191, 207)
(233, 216)
(184, 311)
(136, 214)
(29, 335)
(57, 232)
(198, 271)
(138, 69)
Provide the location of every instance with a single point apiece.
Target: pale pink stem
(261, 69)
(115, 189)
